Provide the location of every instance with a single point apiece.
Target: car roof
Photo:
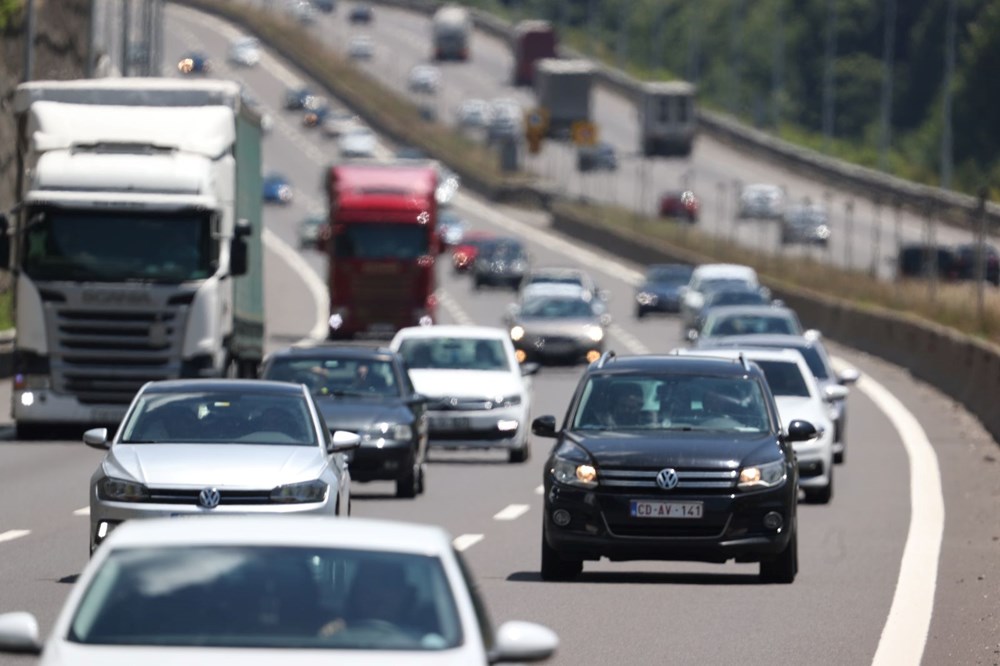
(724, 270)
(554, 290)
(723, 310)
(762, 340)
(451, 331)
(283, 530)
(670, 363)
(254, 386)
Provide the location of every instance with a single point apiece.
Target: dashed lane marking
(629, 341)
(10, 535)
(454, 309)
(85, 511)
(512, 512)
(466, 541)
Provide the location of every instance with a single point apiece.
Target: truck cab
(667, 118)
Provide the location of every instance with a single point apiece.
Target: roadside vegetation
(9, 9)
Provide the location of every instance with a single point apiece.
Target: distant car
(464, 254)
(599, 157)
(805, 223)
(302, 11)
(448, 184)
(309, 231)
(295, 591)
(558, 325)
(473, 114)
(505, 119)
(325, 6)
(364, 390)
(761, 202)
(711, 277)
(316, 116)
(361, 12)
(566, 275)
(725, 294)
(966, 256)
(479, 397)
(501, 262)
(186, 447)
(338, 122)
(680, 204)
(729, 320)
(244, 52)
(277, 189)
(357, 142)
(194, 62)
(451, 229)
(424, 79)
(298, 98)
(661, 288)
(361, 47)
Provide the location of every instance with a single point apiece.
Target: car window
(220, 417)
(454, 354)
(784, 378)
(269, 597)
(557, 308)
(747, 324)
(672, 402)
(330, 376)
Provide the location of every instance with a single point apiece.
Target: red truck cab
(381, 246)
(533, 40)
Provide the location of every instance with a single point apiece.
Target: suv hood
(488, 384)
(245, 466)
(707, 450)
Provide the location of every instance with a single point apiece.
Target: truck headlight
(300, 493)
(120, 490)
(762, 476)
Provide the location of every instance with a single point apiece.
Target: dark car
(463, 256)
(806, 224)
(502, 262)
(966, 258)
(817, 359)
(600, 156)
(194, 62)
(661, 290)
(325, 6)
(924, 261)
(277, 189)
(298, 98)
(671, 458)
(361, 12)
(680, 204)
(316, 116)
(364, 390)
(559, 324)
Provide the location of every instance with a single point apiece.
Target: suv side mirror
(848, 376)
(800, 431)
(344, 441)
(417, 399)
(4, 242)
(544, 426)
(835, 392)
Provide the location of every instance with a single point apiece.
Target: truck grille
(621, 480)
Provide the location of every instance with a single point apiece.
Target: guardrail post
(849, 234)
(721, 217)
(931, 211)
(981, 257)
(877, 238)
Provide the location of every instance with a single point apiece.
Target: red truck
(381, 244)
(533, 40)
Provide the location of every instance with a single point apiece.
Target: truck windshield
(114, 247)
(382, 241)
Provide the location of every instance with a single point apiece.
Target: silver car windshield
(672, 403)
(557, 308)
(220, 417)
(269, 597)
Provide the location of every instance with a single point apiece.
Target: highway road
(865, 568)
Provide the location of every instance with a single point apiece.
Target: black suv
(364, 390)
(671, 458)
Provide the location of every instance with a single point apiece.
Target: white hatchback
(252, 590)
(479, 397)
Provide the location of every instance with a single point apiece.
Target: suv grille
(626, 480)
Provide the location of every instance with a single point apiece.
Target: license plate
(645, 509)
(558, 347)
(451, 423)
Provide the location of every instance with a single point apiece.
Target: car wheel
(519, 455)
(477, 284)
(28, 431)
(821, 495)
(782, 567)
(639, 313)
(840, 456)
(555, 567)
(409, 485)
(421, 481)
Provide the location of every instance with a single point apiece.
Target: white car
(359, 141)
(799, 397)
(711, 276)
(340, 122)
(473, 113)
(259, 591)
(361, 47)
(478, 395)
(244, 52)
(424, 79)
(762, 201)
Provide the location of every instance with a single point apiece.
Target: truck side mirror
(4, 243)
(238, 250)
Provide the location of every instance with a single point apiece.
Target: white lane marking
(453, 308)
(316, 287)
(540, 490)
(10, 535)
(512, 512)
(631, 343)
(85, 511)
(466, 541)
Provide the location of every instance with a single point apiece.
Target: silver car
(206, 446)
(559, 324)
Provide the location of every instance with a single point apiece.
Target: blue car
(660, 292)
(277, 189)
(194, 63)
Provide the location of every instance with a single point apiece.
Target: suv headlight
(573, 467)
(300, 493)
(119, 490)
(396, 431)
(762, 476)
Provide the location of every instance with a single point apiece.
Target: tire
(519, 455)
(782, 567)
(840, 456)
(555, 567)
(29, 431)
(409, 485)
(421, 480)
(639, 313)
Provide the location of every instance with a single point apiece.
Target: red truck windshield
(382, 241)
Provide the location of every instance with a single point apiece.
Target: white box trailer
(562, 87)
(668, 118)
(451, 29)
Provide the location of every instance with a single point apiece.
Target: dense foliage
(8, 10)
(764, 60)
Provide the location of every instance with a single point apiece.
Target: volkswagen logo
(209, 497)
(667, 479)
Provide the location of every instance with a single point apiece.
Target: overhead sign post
(584, 133)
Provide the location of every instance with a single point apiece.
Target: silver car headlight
(762, 476)
(120, 490)
(395, 431)
(300, 493)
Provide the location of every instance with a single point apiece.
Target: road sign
(537, 118)
(584, 133)
(534, 143)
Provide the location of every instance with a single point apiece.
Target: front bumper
(388, 462)
(731, 527)
(551, 349)
(503, 428)
(815, 458)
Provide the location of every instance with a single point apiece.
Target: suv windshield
(672, 402)
(740, 324)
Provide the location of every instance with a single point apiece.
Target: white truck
(667, 118)
(562, 89)
(451, 29)
(136, 243)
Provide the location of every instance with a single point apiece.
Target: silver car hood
(241, 466)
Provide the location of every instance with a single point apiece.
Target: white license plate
(646, 509)
(451, 423)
